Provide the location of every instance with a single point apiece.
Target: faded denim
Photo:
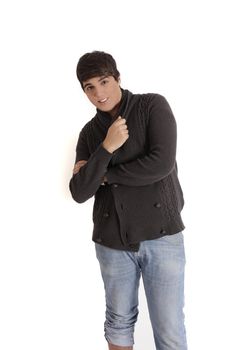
(161, 263)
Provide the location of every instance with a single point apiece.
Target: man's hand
(78, 166)
(117, 135)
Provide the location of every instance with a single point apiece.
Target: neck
(114, 111)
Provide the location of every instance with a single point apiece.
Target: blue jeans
(161, 262)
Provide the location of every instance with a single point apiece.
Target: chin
(105, 109)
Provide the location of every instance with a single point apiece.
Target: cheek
(114, 93)
(91, 99)
(117, 95)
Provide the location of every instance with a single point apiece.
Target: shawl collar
(105, 119)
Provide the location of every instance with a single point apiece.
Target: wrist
(107, 147)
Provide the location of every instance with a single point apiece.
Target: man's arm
(79, 165)
(160, 160)
(89, 170)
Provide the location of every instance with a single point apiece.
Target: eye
(104, 82)
(89, 88)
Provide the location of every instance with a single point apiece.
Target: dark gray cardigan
(142, 199)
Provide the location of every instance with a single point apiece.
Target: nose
(98, 93)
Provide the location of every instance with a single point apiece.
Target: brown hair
(94, 64)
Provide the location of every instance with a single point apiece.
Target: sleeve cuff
(103, 153)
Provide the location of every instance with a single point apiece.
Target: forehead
(96, 80)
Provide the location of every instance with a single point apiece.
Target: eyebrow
(100, 79)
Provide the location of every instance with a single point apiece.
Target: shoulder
(86, 127)
(151, 102)
(157, 109)
(151, 98)
(154, 98)
(157, 102)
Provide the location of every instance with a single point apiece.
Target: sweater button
(106, 215)
(163, 231)
(99, 240)
(115, 185)
(157, 205)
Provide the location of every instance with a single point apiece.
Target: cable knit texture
(142, 198)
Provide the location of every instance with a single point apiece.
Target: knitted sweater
(142, 198)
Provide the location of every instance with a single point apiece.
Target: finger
(82, 162)
(124, 126)
(76, 170)
(120, 121)
(77, 167)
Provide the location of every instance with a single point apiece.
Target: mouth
(104, 100)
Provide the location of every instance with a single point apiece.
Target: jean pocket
(174, 239)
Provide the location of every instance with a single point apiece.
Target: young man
(126, 158)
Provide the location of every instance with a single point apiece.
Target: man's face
(104, 92)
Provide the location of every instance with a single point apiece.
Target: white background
(51, 290)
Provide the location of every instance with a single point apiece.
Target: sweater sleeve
(86, 182)
(160, 158)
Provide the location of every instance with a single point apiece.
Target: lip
(103, 100)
